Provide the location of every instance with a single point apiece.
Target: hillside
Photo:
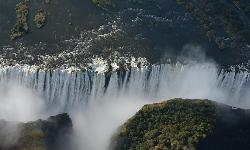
(55, 33)
(50, 134)
(185, 124)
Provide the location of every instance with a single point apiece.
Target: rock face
(185, 124)
(50, 134)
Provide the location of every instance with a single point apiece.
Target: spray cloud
(96, 115)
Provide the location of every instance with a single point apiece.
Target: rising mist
(97, 114)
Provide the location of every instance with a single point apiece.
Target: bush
(21, 25)
(40, 18)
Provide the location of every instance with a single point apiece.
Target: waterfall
(100, 102)
(65, 88)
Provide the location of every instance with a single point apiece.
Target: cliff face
(185, 124)
(57, 32)
(50, 134)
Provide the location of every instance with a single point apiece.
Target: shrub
(40, 18)
(21, 26)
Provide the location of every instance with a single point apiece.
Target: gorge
(99, 106)
(103, 63)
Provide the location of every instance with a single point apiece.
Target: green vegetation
(172, 125)
(40, 18)
(40, 134)
(33, 137)
(21, 26)
(44, 134)
(221, 16)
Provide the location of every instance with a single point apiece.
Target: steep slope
(185, 124)
(50, 134)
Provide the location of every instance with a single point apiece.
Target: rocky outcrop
(185, 124)
(50, 134)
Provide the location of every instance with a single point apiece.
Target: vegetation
(172, 125)
(217, 17)
(185, 125)
(21, 26)
(32, 136)
(41, 134)
(40, 18)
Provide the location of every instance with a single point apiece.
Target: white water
(97, 113)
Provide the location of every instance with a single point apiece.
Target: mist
(20, 104)
(97, 115)
(95, 125)
(17, 104)
(198, 79)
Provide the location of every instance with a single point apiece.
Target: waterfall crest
(66, 88)
(100, 102)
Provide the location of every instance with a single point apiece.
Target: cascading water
(98, 107)
(68, 87)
